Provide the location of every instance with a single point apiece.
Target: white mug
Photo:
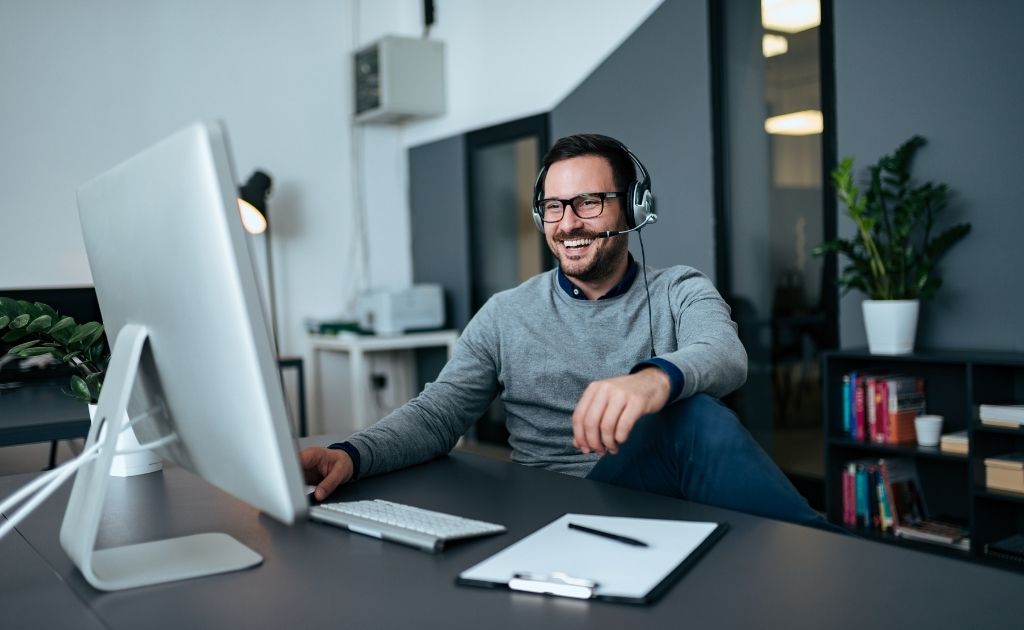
(928, 429)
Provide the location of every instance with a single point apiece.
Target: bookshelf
(953, 486)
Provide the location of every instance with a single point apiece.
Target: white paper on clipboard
(618, 570)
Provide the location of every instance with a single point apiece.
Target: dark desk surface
(41, 412)
(761, 574)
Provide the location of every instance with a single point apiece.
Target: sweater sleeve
(708, 352)
(429, 425)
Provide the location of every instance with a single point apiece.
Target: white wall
(85, 85)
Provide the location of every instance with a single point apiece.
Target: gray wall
(654, 94)
(950, 71)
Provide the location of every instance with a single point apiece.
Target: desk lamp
(252, 205)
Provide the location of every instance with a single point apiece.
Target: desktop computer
(191, 355)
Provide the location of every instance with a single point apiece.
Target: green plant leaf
(27, 307)
(64, 323)
(9, 307)
(24, 346)
(20, 321)
(38, 351)
(4, 320)
(45, 309)
(96, 336)
(84, 331)
(40, 323)
(80, 388)
(14, 335)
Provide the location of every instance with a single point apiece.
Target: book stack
(881, 408)
(1011, 549)
(955, 442)
(883, 495)
(1006, 416)
(1005, 472)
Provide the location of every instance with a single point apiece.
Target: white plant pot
(891, 325)
(129, 464)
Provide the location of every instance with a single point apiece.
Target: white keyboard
(423, 529)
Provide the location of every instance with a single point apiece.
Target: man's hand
(328, 468)
(608, 409)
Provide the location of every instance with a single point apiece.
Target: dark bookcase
(953, 485)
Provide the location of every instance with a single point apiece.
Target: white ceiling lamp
(805, 123)
(774, 45)
(790, 16)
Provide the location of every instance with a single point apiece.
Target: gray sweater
(538, 348)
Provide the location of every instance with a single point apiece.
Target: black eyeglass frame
(618, 194)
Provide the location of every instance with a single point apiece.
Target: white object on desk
(357, 347)
(561, 561)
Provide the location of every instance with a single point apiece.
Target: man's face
(572, 240)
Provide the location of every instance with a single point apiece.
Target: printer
(392, 312)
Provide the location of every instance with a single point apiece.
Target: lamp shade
(252, 202)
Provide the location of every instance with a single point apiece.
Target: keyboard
(413, 526)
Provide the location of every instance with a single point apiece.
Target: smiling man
(600, 375)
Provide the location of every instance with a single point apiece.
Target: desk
(41, 412)
(357, 347)
(762, 573)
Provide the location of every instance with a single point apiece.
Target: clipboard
(557, 560)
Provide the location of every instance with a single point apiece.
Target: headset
(639, 199)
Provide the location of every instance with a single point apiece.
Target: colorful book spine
(858, 408)
(849, 496)
(847, 407)
(863, 510)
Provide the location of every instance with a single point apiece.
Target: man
(597, 379)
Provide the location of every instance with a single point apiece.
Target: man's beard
(602, 265)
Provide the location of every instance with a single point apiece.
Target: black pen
(618, 537)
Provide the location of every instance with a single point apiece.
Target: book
(1005, 472)
(955, 442)
(949, 534)
(1007, 413)
(847, 402)
(1011, 548)
(903, 399)
(850, 495)
(1005, 424)
(906, 504)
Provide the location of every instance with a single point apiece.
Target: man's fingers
(609, 421)
(592, 423)
(632, 413)
(579, 439)
(330, 482)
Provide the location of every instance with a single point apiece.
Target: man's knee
(706, 420)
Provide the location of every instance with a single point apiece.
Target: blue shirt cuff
(353, 452)
(675, 375)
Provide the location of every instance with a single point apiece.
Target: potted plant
(39, 330)
(893, 255)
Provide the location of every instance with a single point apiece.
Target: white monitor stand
(145, 563)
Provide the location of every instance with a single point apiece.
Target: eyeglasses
(586, 206)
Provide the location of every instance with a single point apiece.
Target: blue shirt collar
(619, 289)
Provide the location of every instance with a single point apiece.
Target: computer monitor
(191, 354)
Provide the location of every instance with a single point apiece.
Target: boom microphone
(651, 218)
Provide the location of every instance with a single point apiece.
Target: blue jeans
(696, 449)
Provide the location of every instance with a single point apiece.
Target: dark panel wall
(950, 71)
(653, 94)
(439, 223)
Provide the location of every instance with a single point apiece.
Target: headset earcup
(537, 219)
(631, 219)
